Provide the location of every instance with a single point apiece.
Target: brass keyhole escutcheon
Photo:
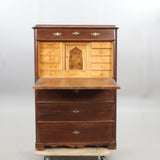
(95, 34)
(75, 111)
(75, 33)
(76, 132)
(57, 34)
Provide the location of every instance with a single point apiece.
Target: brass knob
(76, 132)
(57, 34)
(95, 34)
(75, 111)
(75, 33)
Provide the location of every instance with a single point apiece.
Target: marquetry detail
(75, 59)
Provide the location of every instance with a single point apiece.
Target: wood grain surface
(76, 83)
(91, 111)
(75, 96)
(65, 60)
(74, 132)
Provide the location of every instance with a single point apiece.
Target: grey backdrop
(138, 38)
(138, 70)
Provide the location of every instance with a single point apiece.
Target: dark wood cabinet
(75, 85)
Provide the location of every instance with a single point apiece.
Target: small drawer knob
(75, 111)
(57, 34)
(76, 132)
(95, 34)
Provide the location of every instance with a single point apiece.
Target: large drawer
(75, 34)
(75, 132)
(77, 112)
(67, 96)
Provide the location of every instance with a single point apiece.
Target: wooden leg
(39, 147)
(112, 146)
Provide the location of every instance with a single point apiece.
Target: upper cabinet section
(75, 51)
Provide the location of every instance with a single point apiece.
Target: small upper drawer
(102, 45)
(75, 34)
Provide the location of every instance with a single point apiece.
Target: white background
(138, 66)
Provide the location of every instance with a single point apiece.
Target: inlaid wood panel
(102, 45)
(76, 55)
(52, 59)
(52, 45)
(97, 66)
(75, 59)
(102, 59)
(101, 52)
(45, 67)
(49, 58)
(49, 51)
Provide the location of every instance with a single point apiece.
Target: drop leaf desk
(75, 85)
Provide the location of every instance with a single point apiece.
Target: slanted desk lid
(76, 83)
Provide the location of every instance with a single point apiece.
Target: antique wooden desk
(75, 85)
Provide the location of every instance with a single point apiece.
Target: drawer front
(75, 132)
(56, 45)
(76, 112)
(49, 52)
(96, 45)
(75, 34)
(64, 96)
(44, 67)
(50, 59)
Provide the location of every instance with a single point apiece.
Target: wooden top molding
(76, 83)
(75, 27)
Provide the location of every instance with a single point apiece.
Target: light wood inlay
(75, 59)
(101, 66)
(101, 44)
(100, 59)
(52, 66)
(91, 59)
(100, 52)
(49, 51)
(50, 45)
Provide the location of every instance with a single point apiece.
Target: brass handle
(76, 132)
(57, 34)
(76, 111)
(75, 33)
(95, 34)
